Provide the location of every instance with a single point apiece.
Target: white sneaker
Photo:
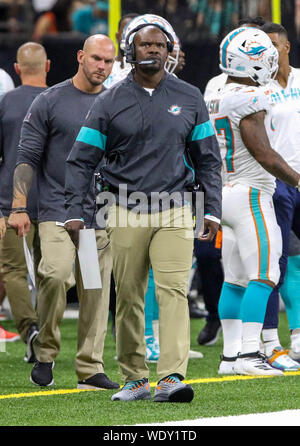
(294, 352)
(195, 355)
(254, 364)
(226, 366)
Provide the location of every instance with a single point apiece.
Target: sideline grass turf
(96, 409)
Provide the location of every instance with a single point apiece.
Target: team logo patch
(175, 110)
(254, 100)
(253, 49)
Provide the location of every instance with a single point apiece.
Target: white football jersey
(214, 84)
(227, 107)
(6, 82)
(285, 122)
(117, 74)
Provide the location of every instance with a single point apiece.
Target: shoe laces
(261, 357)
(279, 351)
(255, 355)
(172, 379)
(134, 385)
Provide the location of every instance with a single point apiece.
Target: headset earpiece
(130, 49)
(170, 47)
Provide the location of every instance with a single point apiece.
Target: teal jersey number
(223, 127)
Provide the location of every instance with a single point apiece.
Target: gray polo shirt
(48, 133)
(13, 108)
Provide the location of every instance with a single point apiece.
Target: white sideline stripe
(283, 418)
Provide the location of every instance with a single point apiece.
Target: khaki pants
(56, 274)
(15, 276)
(169, 250)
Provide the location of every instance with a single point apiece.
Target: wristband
(212, 218)
(73, 219)
(19, 211)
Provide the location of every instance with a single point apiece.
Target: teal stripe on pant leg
(262, 234)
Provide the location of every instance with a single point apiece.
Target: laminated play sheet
(29, 261)
(88, 259)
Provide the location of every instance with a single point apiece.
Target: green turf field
(213, 396)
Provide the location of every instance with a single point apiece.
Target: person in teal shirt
(91, 19)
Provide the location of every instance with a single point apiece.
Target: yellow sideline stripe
(153, 384)
(46, 393)
(234, 378)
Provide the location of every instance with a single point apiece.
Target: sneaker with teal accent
(281, 360)
(134, 390)
(172, 390)
(152, 349)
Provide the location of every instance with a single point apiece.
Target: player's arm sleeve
(87, 152)
(246, 103)
(209, 89)
(205, 155)
(34, 133)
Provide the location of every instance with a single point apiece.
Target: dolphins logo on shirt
(175, 110)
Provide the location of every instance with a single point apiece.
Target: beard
(92, 80)
(150, 68)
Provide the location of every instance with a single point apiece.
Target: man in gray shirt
(32, 66)
(47, 136)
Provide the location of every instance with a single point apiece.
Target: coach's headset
(129, 49)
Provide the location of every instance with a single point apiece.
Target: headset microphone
(144, 62)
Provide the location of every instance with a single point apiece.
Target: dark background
(201, 59)
(201, 48)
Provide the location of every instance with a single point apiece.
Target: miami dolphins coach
(153, 131)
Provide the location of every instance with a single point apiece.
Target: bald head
(95, 60)
(96, 41)
(31, 58)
